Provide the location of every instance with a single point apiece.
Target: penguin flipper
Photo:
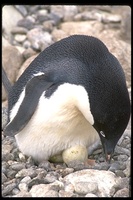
(34, 88)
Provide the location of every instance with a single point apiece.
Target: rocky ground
(26, 31)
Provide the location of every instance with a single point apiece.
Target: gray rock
(19, 30)
(22, 9)
(92, 176)
(25, 65)
(8, 189)
(39, 39)
(11, 69)
(119, 173)
(3, 177)
(48, 25)
(58, 34)
(50, 178)
(20, 37)
(123, 158)
(90, 195)
(122, 150)
(22, 194)
(23, 187)
(26, 172)
(114, 166)
(11, 173)
(18, 166)
(108, 18)
(57, 11)
(122, 193)
(26, 23)
(127, 171)
(69, 12)
(10, 17)
(125, 32)
(26, 179)
(122, 183)
(43, 190)
(63, 193)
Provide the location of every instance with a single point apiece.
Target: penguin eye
(102, 133)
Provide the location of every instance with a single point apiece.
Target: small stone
(28, 53)
(3, 178)
(122, 193)
(21, 9)
(127, 171)
(11, 174)
(51, 193)
(19, 30)
(23, 187)
(43, 190)
(122, 183)
(22, 194)
(26, 179)
(65, 171)
(15, 191)
(63, 193)
(39, 39)
(50, 178)
(22, 157)
(122, 150)
(26, 23)
(18, 166)
(114, 166)
(8, 189)
(122, 158)
(20, 37)
(48, 25)
(90, 195)
(119, 173)
(26, 172)
(108, 18)
(45, 164)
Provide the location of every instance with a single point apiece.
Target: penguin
(73, 93)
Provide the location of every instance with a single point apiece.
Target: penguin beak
(108, 157)
(108, 150)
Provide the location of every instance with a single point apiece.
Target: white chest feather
(60, 122)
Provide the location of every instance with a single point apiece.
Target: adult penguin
(73, 93)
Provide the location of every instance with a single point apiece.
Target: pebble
(19, 30)
(39, 39)
(18, 166)
(26, 23)
(37, 28)
(7, 190)
(20, 38)
(122, 193)
(26, 172)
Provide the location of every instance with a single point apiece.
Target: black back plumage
(86, 61)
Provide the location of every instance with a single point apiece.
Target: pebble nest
(20, 173)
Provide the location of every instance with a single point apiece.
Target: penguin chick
(72, 94)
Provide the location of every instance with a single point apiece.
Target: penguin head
(111, 125)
